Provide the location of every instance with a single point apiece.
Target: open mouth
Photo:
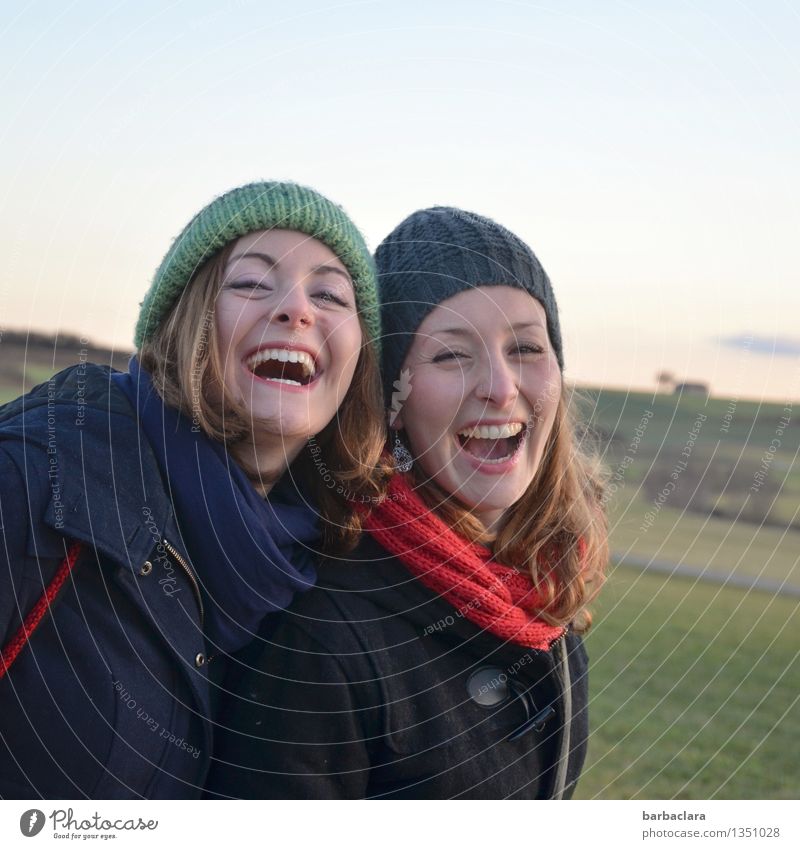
(295, 368)
(493, 443)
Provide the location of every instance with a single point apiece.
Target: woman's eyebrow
(524, 325)
(332, 269)
(274, 263)
(467, 331)
(455, 331)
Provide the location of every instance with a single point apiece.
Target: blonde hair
(185, 363)
(557, 530)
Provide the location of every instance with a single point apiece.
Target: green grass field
(695, 692)
(695, 686)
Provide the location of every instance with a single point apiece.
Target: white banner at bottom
(390, 824)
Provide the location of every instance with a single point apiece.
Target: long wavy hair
(340, 468)
(557, 530)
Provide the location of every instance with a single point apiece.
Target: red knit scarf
(496, 598)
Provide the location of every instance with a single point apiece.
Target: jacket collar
(118, 508)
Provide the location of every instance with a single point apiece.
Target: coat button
(147, 568)
(199, 660)
(488, 686)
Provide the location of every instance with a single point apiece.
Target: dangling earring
(403, 460)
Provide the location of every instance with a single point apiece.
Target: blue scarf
(250, 554)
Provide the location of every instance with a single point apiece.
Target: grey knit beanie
(437, 253)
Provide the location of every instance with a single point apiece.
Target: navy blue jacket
(110, 698)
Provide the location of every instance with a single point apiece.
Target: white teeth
(492, 431)
(282, 355)
(499, 460)
(284, 380)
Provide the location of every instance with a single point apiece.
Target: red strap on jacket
(17, 643)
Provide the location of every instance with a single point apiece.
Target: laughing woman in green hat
(151, 519)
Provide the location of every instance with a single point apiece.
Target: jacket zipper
(179, 559)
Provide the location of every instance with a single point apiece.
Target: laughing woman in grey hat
(149, 520)
(446, 661)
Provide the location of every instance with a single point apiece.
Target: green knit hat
(260, 206)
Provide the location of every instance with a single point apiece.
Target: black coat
(372, 686)
(110, 698)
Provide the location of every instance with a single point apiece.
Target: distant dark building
(691, 389)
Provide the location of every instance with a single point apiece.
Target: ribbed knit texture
(496, 598)
(439, 252)
(260, 206)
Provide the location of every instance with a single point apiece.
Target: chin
(499, 498)
(495, 505)
(281, 423)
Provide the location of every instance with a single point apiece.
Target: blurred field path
(713, 576)
(693, 540)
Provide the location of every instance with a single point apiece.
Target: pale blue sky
(648, 152)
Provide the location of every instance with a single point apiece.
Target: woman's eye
(529, 349)
(248, 284)
(328, 297)
(448, 355)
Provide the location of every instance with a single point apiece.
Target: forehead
(485, 310)
(283, 245)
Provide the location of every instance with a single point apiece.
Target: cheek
(439, 395)
(345, 343)
(429, 416)
(235, 317)
(225, 328)
(543, 392)
(544, 426)
(233, 377)
(344, 380)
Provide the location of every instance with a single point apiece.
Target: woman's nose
(498, 384)
(295, 309)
